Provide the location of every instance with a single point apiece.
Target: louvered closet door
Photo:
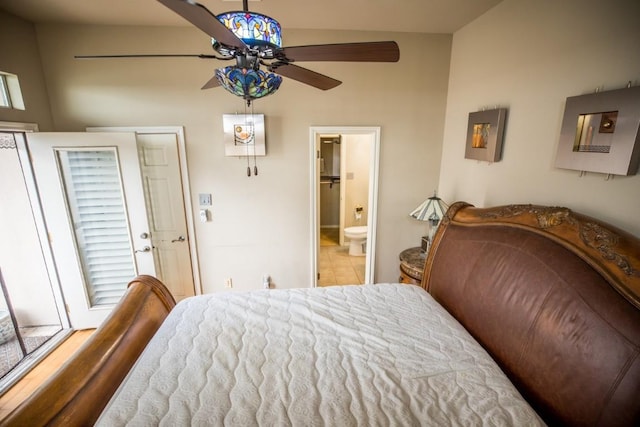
(93, 202)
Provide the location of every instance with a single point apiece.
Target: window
(95, 199)
(10, 93)
(5, 100)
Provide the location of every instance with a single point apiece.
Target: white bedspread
(373, 355)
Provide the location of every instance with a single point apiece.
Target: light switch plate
(205, 199)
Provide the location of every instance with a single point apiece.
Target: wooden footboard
(79, 391)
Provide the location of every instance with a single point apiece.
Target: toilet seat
(358, 232)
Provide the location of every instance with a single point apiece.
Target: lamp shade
(248, 83)
(432, 210)
(258, 31)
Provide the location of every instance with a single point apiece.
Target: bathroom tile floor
(336, 266)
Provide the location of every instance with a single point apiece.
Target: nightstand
(412, 265)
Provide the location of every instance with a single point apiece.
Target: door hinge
(317, 154)
(66, 307)
(318, 276)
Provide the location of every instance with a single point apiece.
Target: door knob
(145, 249)
(179, 239)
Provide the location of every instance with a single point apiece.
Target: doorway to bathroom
(344, 171)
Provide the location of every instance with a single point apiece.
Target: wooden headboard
(554, 297)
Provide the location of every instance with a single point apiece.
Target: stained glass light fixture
(262, 34)
(248, 83)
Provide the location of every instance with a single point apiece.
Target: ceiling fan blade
(202, 18)
(306, 76)
(177, 55)
(213, 82)
(387, 51)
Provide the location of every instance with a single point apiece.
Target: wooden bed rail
(78, 392)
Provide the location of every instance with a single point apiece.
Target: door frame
(374, 163)
(186, 190)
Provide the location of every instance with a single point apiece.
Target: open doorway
(33, 319)
(106, 231)
(344, 177)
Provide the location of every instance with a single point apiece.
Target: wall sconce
(431, 210)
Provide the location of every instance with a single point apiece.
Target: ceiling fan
(254, 41)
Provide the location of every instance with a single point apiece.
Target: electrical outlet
(228, 282)
(266, 281)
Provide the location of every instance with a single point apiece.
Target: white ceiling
(423, 16)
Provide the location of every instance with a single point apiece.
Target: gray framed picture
(484, 135)
(600, 132)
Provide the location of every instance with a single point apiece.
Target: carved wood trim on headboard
(614, 253)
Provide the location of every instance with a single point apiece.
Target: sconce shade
(432, 210)
(247, 83)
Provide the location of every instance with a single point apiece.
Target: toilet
(357, 236)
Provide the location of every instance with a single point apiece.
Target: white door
(93, 204)
(160, 165)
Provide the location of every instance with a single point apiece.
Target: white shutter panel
(94, 195)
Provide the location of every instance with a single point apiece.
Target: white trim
(186, 190)
(343, 192)
(18, 127)
(314, 140)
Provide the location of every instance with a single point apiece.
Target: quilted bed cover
(384, 354)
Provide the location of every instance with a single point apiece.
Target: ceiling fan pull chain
(246, 143)
(255, 166)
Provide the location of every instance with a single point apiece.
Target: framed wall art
(484, 135)
(601, 132)
(244, 134)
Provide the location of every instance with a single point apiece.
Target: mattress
(384, 354)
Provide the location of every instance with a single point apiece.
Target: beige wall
(528, 57)
(261, 225)
(357, 161)
(19, 55)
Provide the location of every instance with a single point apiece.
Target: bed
(527, 315)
